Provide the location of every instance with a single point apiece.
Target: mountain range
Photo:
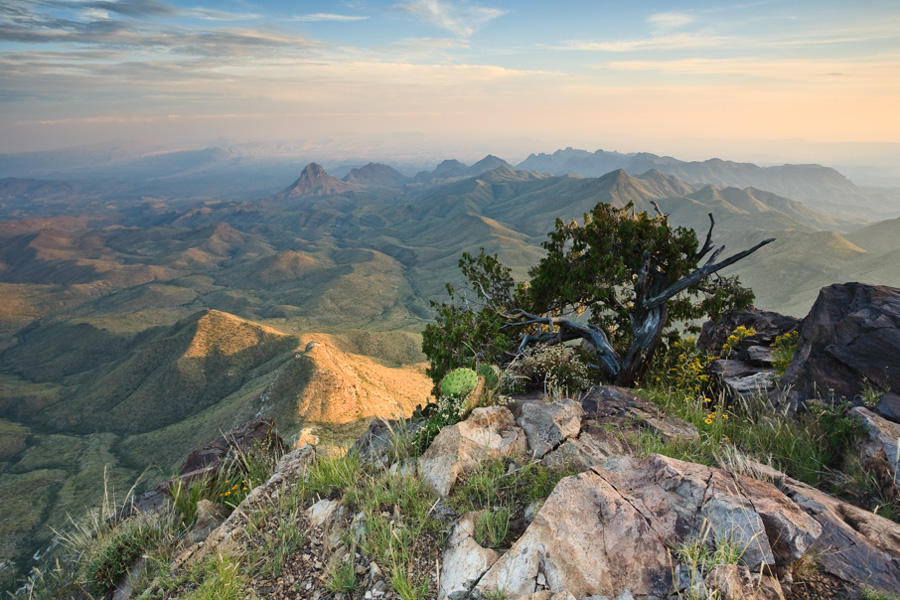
(136, 326)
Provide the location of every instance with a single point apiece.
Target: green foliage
(333, 474)
(594, 266)
(804, 446)
(218, 579)
(492, 526)
(869, 593)
(498, 484)
(186, 495)
(606, 268)
(459, 383)
(114, 556)
(783, 350)
(342, 579)
(491, 374)
(273, 533)
(680, 367)
(466, 334)
(447, 411)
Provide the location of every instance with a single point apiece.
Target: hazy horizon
(695, 80)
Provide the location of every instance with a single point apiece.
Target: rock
(548, 424)
(741, 379)
(209, 516)
(855, 545)
(374, 445)
(850, 339)
(258, 433)
(609, 531)
(489, 433)
(621, 408)
(593, 447)
(320, 513)
(768, 326)
(881, 447)
(736, 582)
(889, 406)
(464, 561)
(291, 466)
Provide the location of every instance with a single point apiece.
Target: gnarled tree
(616, 281)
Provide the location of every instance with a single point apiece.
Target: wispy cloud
(327, 17)
(669, 21)
(131, 8)
(676, 41)
(461, 19)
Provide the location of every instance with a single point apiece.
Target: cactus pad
(459, 383)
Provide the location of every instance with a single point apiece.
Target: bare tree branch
(569, 330)
(707, 246)
(701, 273)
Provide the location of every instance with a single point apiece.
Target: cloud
(676, 41)
(327, 17)
(458, 18)
(669, 21)
(133, 8)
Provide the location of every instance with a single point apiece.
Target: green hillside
(132, 338)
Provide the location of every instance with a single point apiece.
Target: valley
(144, 314)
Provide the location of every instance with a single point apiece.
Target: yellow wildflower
(708, 421)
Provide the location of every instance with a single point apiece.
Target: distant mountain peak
(314, 181)
(376, 175)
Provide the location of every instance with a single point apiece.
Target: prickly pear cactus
(491, 374)
(459, 383)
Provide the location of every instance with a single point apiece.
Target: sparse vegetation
(631, 274)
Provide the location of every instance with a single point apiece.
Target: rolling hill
(133, 334)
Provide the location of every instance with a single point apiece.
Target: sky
(621, 75)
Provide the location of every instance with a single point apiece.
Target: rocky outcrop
(611, 530)
(850, 339)
(748, 370)
(489, 433)
(855, 545)
(258, 434)
(314, 181)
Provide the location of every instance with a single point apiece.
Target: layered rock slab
(610, 530)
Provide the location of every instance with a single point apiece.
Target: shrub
(556, 368)
(784, 348)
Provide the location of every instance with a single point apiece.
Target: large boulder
(850, 339)
(611, 530)
(489, 433)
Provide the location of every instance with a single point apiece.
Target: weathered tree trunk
(648, 329)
